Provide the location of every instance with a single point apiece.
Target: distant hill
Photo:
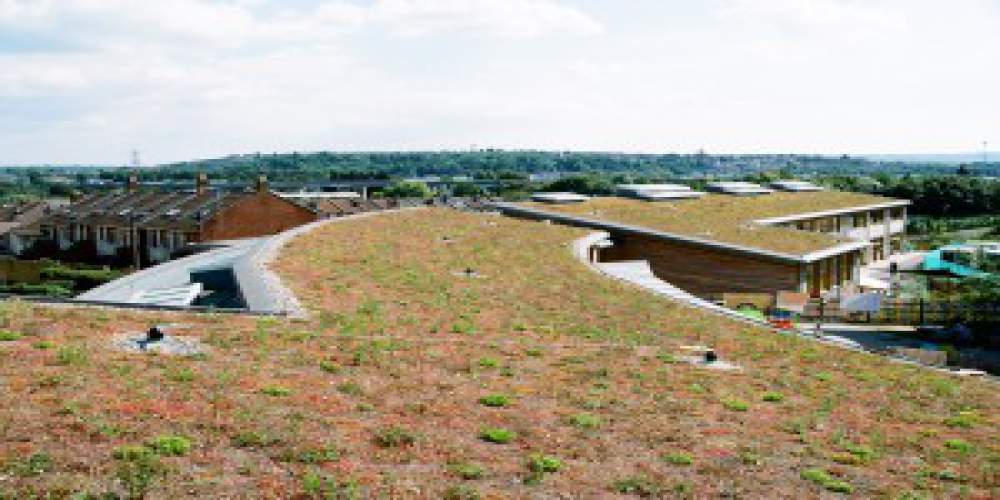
(943, 158)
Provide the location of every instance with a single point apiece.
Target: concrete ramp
(638, 272)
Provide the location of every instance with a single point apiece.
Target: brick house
(18, 228)
(112, 226)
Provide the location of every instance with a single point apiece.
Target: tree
(408, 189)
(466, 189)
(583, 184)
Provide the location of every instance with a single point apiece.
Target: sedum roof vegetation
(532, 376)
(725, 218)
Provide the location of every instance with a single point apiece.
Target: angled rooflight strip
(559, 197)
(658, 192)
(795, 186)
(738, 188)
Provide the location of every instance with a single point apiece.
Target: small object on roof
(738, 188)
(467, 273)
(155, 334)
(795, 186)
(559, 197)
(710, 356)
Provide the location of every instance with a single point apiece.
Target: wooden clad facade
(703, 270)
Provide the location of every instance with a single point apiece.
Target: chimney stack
(133, 183)
(201, 184)
(262, 184)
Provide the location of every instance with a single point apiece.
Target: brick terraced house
(109, 226)
(799, 241)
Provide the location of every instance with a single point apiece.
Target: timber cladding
(259, 215)
(701, 270)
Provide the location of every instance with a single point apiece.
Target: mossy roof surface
(381, 393)
(725, 218)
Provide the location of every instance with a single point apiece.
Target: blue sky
(86, 81)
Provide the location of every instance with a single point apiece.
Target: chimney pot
(201, 183)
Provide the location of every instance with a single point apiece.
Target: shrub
(958, 445)
(394, 437)
(640, 486)
(350, 388)
(9, 336)
(329, 367)
(137, 470)
(318, 456)
(862, 452)
(171, 445)
(44, 344)
(460, 492)
(35, 465)
(773, 397)
(253, 439)
(494, 400)
(181, 374)
(71, 356)
(964, 419)
(131, 452)
(735, 405)
(497, 435)
(585, 421)
(276, 391)
(539, 465)
(468, 471)
(544, 463)
(821, 478)
(678, 459)
(489, 363)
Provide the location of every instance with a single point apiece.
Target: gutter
(828, 213)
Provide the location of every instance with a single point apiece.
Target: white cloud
(87, 80)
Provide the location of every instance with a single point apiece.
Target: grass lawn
(532, 377)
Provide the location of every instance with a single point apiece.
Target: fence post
(921, 310)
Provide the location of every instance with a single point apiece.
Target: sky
(88, 81)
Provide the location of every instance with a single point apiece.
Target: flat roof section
(733, 221)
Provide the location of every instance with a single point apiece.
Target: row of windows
(122, 236)
(834, 224)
